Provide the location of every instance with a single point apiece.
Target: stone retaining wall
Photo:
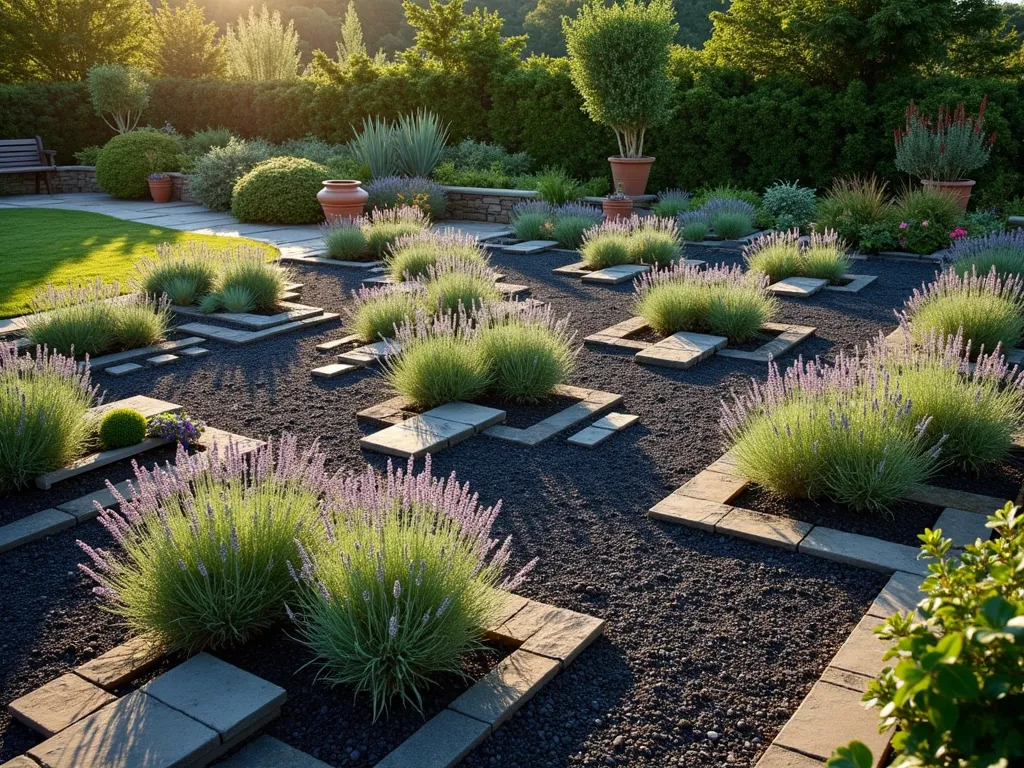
(66, 179)
(479, 204)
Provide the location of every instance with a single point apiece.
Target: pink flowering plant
(406, 578)
(945, 149)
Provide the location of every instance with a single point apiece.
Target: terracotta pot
(616, 209)
(631, 173)
(342, 200)
(161, 189)
(960, 190)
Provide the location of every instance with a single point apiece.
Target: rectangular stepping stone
(506, 688)
(21, 762)
(590, 437)
(221, 439)
(235, 336)
(96, 461)
(777, 757)
(863, 551)
(798, 287)
(901, 594)
(844, 679)
(333, 370)
(564, 635)
(831, 716)
(616, 421)
(772, 530)
(194, 352)
(161, 360)
(713, 486)
(105, 362)
(615, 275)
(122, 664)
(252, 321)
(862, 652)
(84, 507)
(477, 416)
(369, 353)
(963, 527)
(333, 344)
(512, 289)
(513, 604)
(681, 350)
(137, 731)
(268, 752)
(947, 497)
(147, 406)
(416, 436)
(58, 704)
(531, 246)
(124, 369)
(33, 527)
(217, 694)
(442, 742)
(691, 512)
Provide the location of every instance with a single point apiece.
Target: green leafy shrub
(954, 689)
(720, 300)
(312, 148)
(213, 180)
(281, 190)
(531, 221)
(122, 427)
(126, 161)
(471, 155)
(671, 202)
(790, 206)
(345, 240)
(925, 218)
(724, 192)
(346, 167)
(185, 272)
(201, 142)
(1003, 252)
(557, 187)
(784, 254)
(44, 405)
(88, 155)
(851, 204)
(414, 252)
(454, 285)
(95, 319)
(120, 92)
(204, 544)
(375, 313)
(405, 584)
(840, 432)
(986, 311)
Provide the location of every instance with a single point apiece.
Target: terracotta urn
(342, 200)
(959, 190)
(161, 188)
(617, 208)
(631, 173)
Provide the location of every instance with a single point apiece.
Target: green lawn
(40, 246)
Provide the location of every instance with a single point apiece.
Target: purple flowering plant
(787, 254)
(412, 255)
(1002, 250)
(177, 428)
(407, 577)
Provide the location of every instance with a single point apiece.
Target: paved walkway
(301, 240)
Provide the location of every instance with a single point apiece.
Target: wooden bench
(28, 156)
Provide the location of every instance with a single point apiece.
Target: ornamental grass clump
(407, 578)
(247, 282)
(571, 221)
(528, 351)
(985, 310)
(1003, 252)
(375, 313)
(851, 204)
(694, 226)
(531, 221)
(44, 407)
(454, 285)
(184, 271)
(841, 432)
(654, 240)
(730, 218)
(384, 228)
(345, 240)
(721, 300)
(414, 253)
(786, 254)
(671, 202)
(202, 547)
(95, 319)
(606, 245)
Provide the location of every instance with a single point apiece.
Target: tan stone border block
(122, 664)
(857, 283)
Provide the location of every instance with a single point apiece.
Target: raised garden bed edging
(482, 204)
(71, 179)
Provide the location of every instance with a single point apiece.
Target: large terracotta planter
(342, 200)
(161, 189)
(616, 209)
(631, 173)
(960, 190)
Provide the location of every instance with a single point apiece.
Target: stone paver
(901, 594)
(863, 551)
(136, 731)
(506, 688)
(118, 359)
(513, 604)
(268, 752)
(333, 370)
(831, 716)
(477, 416)
(147, 406)
(333, 344)
(616, 421)
(798, 287)
(33, 527)
(713, 486)
(526, 622)
(590, 437)
(862, 651)
(416, 436)
(681, 350)
(963, 527)
(161, 360)
(844, 679)
(945, 497)
(96, 461)
(689, 511)
(773, 530)
(123, 370)
(217, 694)
(564, 635)
(857, 283)
(369, 353)
(442, 742)
(221, 439)
(123, 663)
(84, 507)
(21, 762)
(194, 352)
(614, 275)
(777, 757)
(531, 246)
(56, 705)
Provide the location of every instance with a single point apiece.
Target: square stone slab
(123, 370)
(831, 716)
(531, 246)
(615, 275)
(563, 635)
(33, 527)
(772, 530)
(689, 511)
(134, 732)
(798, 287)
(477, 416)
(713, 486)
(58, 704)
(160, 360)
(333, 370)
(681, 350)
(615, 421)
(416, 436)
(194, 352)
(268, 752)
(217, 694)
(508, 686)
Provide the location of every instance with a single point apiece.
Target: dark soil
(1003, 480)
(525, 415)
(758, 340)
(901, 524)
(704, 632)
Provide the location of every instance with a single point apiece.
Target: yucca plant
(418, 143)
(374, 146)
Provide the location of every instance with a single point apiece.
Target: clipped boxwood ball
(122, 427)
(126, 161)
(281, 190)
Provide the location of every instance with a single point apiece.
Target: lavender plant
(671, 202)
(606, 245)
(531, 221)
(375, 313)
(177, 428)
(402, 192)
(694, 226)
(44, 405)
(571, 220)
(414, 253)
(345, 240)
(839, 431)
(1003, 251)
(203, 545)
(453, 284)
(786, 254)
(730, 218)
(984, 310)
(721, 300)
(654, 240)
(406, 580)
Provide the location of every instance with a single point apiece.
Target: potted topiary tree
(618, 59)
(942, 153)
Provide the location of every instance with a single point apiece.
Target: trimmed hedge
(126, 161)
(281, 190)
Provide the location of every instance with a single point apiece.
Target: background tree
(544, 25)
(62, 39)
(118, 94)
(184, 43)
(351, 41)
(261, 47)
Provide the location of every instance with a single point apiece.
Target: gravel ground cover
(712, 642)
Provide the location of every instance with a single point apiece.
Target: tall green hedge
(727, 127)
